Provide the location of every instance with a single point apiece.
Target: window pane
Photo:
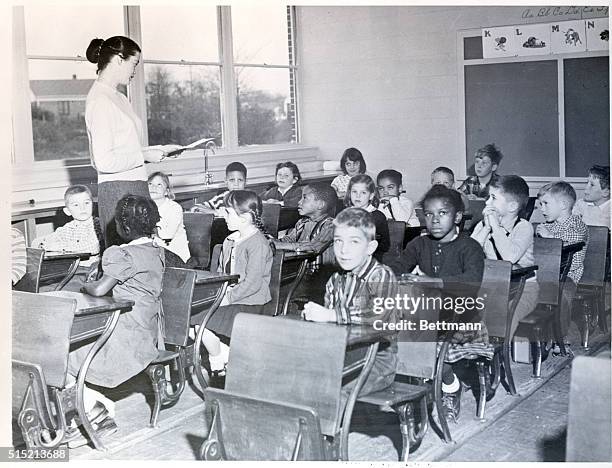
(55, 30)
(265, 111)
(175, 33)
(58, 90)
(183, 103)
(260, 34)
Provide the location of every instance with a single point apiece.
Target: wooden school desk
(95, 316)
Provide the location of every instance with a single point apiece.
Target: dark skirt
(222, 321)
(109, 193)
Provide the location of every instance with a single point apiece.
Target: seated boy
(314, 231)
(556, 204)
(394, 204)
(82, 234)
(486, 162)
(235, 179)
(349, 298)
(505, 236)
(444, 176)
(594, 207)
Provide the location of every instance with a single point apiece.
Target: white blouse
(114, 132)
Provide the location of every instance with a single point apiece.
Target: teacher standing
(115, 131)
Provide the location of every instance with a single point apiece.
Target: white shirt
(592, 214)
(171, 227)
(114, 132)
(401, 209)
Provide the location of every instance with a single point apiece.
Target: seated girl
(454, 263)
(362, 193)
(134, 272)
(246, 252)
(286, 192)
(351, 163)
(170, 229)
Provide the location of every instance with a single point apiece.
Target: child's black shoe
(452, 405)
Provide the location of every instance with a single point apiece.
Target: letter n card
(597, 33)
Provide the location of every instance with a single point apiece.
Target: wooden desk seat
(41, 328)
(30, 282)
(590, 295)
(554, 261)
(282, 392)
(418, 363)
(501, 290)
(397, 232)
(177, 295)
(198, 227)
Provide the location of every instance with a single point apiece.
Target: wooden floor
(541, 406)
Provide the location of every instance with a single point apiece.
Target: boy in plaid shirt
(313, 232)
(350, 295)
(556, 204)
(82, 234)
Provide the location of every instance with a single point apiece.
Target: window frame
(559, 58)
(22, 151)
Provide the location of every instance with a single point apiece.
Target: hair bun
(93, 51)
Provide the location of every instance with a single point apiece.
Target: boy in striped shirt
(235, 179)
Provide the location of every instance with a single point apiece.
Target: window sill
(45, 182)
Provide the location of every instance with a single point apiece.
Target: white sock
(452, 387)
(218, 361)
(90, 397)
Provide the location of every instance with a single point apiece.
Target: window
(263, 75)
(59, 77)
(190, 84)
(182, 74)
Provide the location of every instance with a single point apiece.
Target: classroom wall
(384, 79)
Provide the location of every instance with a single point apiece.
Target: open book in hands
(179, 149)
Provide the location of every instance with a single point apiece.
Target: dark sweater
(382, 234)
(459, 263)
(291, 197)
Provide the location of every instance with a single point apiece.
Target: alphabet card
(498, 42)
(568, 36)
(597, 34)
(532, 39)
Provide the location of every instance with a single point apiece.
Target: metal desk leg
(197, 365)
(352, 399)
(294, 285)
(110, 327)
(71, 272)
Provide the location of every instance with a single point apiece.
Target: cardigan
(114, 132)
(251, 258)
(459, 263)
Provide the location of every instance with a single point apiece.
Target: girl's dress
(340, 183)
(138, 267)
(291, 197)
(251, 258)
(172, 229)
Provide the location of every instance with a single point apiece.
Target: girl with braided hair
(133, 271)
(246, 252)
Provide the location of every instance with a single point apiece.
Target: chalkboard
(515, 106)
(587, 114)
